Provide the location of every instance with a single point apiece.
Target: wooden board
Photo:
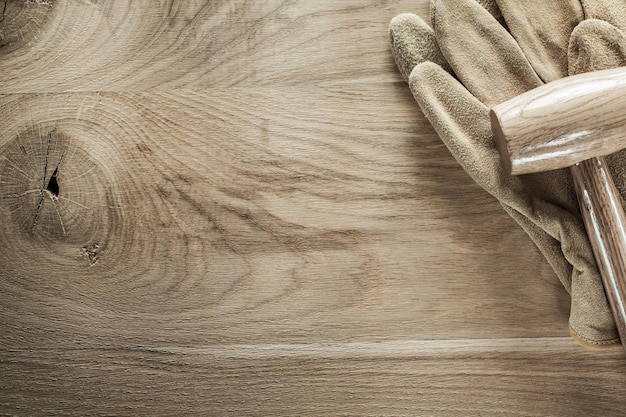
(505, 377)
(236, 208)
(100, 45)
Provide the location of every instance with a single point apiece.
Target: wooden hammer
(574, 122)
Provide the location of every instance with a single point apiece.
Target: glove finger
(480, 51)
(413, 42)
(590, 322)
(492, 7)
(613, 11)
(461, 121)
(596, 45)
(542, 29)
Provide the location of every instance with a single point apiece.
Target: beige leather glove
(480, 53)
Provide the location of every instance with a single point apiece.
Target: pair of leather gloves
(478, 53)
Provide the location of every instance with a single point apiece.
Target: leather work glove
(480, 53)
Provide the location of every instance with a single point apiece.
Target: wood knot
(20, 21)
(52, 188)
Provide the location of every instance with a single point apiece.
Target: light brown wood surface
(254, 218)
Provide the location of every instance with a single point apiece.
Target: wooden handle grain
(562, 122)
(604, 219)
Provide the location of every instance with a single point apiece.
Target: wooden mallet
(574, 122)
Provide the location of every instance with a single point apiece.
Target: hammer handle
(604, 219)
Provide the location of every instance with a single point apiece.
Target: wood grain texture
(80, 45)
(236, 208)
(524, 377)
(208, 214)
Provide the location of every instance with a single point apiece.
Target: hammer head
(563, 122)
